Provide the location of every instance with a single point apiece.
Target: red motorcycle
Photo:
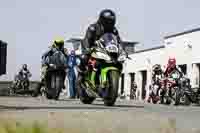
(168, 87)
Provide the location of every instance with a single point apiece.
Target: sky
(29, 26)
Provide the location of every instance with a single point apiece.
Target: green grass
(13, 126)
(8, 126)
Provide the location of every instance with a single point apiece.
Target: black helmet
(25, 66)
(157, 68)
(107, 18)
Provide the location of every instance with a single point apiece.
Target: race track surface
(125, 116)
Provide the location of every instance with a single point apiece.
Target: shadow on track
(83, 107)
(47, 107)
(102, 105)
(122, 106)
(16, 96)
(68, 100)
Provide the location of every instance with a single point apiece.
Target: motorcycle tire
(37, 90)
(49, 95)
(11, 91)
(186, 100)
(112, 91)
(177, 97)
(83, 96)
(154, 101)
(168, 101)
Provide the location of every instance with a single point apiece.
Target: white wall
(142, 61)
(181, 50)
(178, 47)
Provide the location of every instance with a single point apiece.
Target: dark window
(183, 68)
(144, 81)
(3, 57)
(122, 84)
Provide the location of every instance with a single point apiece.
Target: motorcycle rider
(58, 44)
(23, 74)
(168, 73)
(171, 67)
(105, 24)
(157, 73)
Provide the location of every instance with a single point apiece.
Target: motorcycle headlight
(121, 58)
(103, 56)
(112, 48)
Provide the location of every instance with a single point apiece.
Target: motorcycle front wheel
(177, 96)
(112, 90)
(83, 96)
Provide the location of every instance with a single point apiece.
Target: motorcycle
(154, 89)
(20, 85)
(103, 72)
(192, 96)
(153, 97)
(172, 89)
(168, 86)
(187, 94)
(55, 77)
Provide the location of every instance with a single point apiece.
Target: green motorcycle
(104, 68)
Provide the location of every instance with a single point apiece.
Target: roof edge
(149, 49)
(182, 33)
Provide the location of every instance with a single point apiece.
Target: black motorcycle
(183, 85)
(184, 93)
(187, 94)
(20, 85)
(170, 89)
(55, 76)
(193, 96)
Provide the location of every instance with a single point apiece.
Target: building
(183, 46)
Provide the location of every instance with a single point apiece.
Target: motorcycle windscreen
(110, 42)
(3, 57)
(109, 39)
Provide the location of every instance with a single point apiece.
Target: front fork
(104, 73)
(92, 77)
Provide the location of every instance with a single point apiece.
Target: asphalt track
(125, 116)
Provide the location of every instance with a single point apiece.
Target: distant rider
(157, 75)
(58, 45)
(171, 67)
(23, 74)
